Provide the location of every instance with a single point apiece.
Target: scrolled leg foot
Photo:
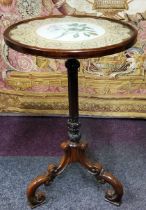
(37, 198)
(52, 173)
(114, 195)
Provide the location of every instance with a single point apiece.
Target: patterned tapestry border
(58, 105)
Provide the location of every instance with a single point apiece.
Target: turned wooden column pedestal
(74, 151)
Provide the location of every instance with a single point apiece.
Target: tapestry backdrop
(109, 86)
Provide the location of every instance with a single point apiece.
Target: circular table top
(70, 36)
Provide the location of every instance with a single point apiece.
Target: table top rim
(73, 53)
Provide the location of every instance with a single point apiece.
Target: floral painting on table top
(69, 31)
(118, 76)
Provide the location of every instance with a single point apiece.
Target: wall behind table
(109, 86)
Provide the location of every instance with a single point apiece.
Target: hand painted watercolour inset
(70, 31)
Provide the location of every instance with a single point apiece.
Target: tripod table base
(74, 152)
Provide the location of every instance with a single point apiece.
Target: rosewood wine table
(71, 38)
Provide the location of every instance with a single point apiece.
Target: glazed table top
(70, 36)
